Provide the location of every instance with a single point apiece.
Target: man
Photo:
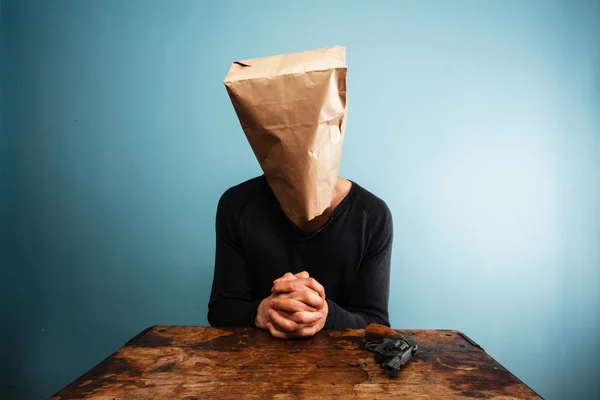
(299, 248)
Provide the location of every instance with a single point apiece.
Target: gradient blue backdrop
(477, 121)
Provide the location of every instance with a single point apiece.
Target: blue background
(477, 121)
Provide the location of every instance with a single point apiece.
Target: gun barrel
(392, 365)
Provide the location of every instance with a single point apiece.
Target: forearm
(231, 301)
(367, 300)
(224, 311)
(340, 318)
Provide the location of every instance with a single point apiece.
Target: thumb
(287, 277)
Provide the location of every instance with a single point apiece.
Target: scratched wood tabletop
(181, 362)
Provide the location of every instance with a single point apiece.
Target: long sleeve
(256, 243)
(369, 296)
(231, 302)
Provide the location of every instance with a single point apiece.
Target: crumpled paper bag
(292, 109)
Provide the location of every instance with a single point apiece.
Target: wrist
(325, 311)
(328, 318)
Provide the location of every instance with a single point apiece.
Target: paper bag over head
(292, 109)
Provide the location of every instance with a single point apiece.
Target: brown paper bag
(292, 108)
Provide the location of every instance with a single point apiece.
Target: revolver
(390, 348)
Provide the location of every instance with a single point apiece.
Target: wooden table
(168, 362)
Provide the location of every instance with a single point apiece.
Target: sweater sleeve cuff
(331, 315)
(252, 310)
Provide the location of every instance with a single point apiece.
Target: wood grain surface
(181, 362)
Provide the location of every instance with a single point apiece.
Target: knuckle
(289, 326)
(317, 303)
(281, 322)
(316, 299)
(303, 299)
(301, 332)
(299, 306)
(279, 297)
(306, 297)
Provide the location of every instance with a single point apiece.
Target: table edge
(152, 327)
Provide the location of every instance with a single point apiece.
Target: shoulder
(375, 207)
(232, 204)
(244, 190)
(379, 221)
(235, 199)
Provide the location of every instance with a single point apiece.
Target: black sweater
(257, 243)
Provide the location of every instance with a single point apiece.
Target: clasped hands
(295, 308)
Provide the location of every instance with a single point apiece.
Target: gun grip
(377, 331)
